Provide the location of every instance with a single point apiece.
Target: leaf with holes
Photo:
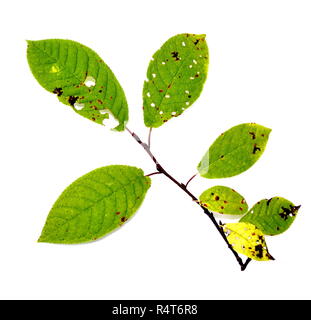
(234, 151)
(95, 204)
(247, 239)
(223, 200)
(272, 216)
(80, 79)
(176, 75)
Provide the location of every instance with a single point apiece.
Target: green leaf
(80, 79)
(234, 151)
(223, 200)
(272, 216)
(176, 76)
(95, 204)
(247, 239)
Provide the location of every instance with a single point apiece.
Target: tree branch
(160, 169)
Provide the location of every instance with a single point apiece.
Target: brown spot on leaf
(253, 135)
(72, 100)
(58, 91)
(175, 55)
(217, 198)
(255, 149)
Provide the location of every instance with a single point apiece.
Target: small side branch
(186, 185)
(161, 170)
(153, 173)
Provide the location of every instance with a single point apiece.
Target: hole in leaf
(152, 104)
(173, 113)
(161, 112)
(148, 94)
(90, 81)
(187, 91)
(163, 62)
(78, 106)
(194, 61)
(190, 66)
(154, 75)
(167, 96)
(191, 78)
(110, 122)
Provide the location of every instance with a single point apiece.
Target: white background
(260, 53)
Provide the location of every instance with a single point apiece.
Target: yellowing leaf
(247, 239)
(223, 200)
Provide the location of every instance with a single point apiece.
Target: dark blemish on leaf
(268, 202)
(278, 228)
(93, 119)
(241, 209)
(262, 135)
(189, 96)
(289, 212)
(222, 156)
(225, 201)
(123, 219)
(222, 207)
(243, 201)
(169, 86)
(255, 149)
(160, 90)
(197, 75)
(58, 91)
(110, 98)
(216, 198)
(94, 108)
(99, 101)
(253, 135)
(175, 55)
(196, 42)
(233, 190)
(100, 91)
(259, 250)
(72, 100)
(117, 213)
